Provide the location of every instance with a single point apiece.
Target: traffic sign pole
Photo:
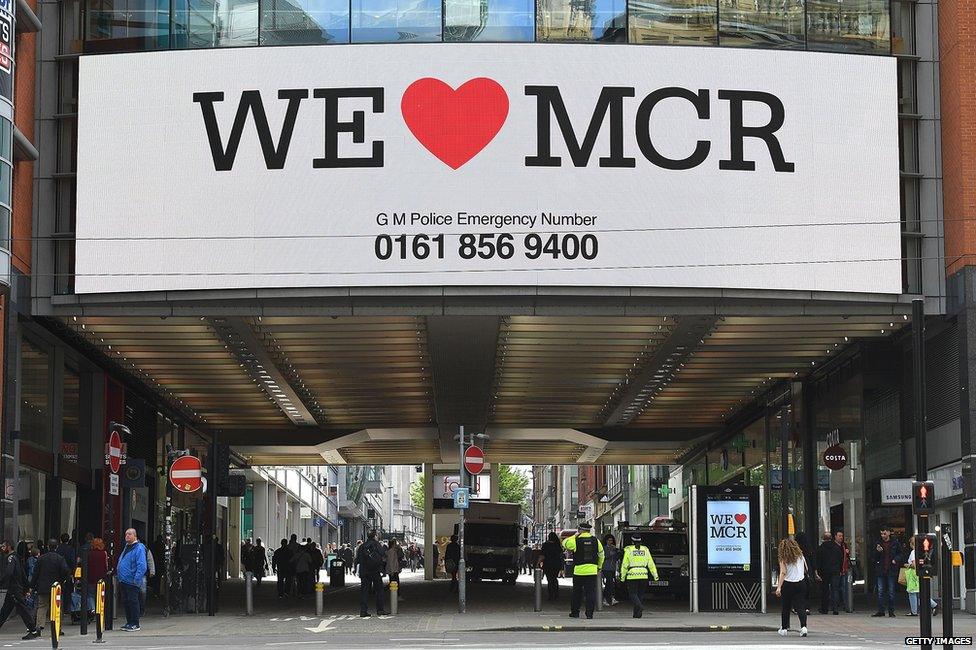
(462, 572)
(921, 461)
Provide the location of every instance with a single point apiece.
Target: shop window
(861, 26)
(305, 22)
(35, 399)
(31, 503)
(389, 21)
(489, 20)
(673, 22)
(586, 21)
(70, 416)
(761, 23)
(69, 509)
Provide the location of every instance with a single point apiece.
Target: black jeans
(552, 575)
(609, 584)
(636, 589)
(794, 597)
(584, 587)
(368, 581)
(130, 600)
(282, 583)
(14, 601)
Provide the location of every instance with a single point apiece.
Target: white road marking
(322, 627)
(432, 638)
(280, 643)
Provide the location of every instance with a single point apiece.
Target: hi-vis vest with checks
(636, 563)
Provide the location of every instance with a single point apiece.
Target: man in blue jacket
(131, 570)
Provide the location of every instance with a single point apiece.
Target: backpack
(372, 558)
(586, 551)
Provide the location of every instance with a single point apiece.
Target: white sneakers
(784, 632)
(803, 631)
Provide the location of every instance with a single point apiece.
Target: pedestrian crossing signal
(923, 498)
(927, 555)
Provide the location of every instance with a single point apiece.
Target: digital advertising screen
(729, 538)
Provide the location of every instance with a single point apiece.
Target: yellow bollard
(99, 611)
(55, 611)
(319, 592)
(394, 597)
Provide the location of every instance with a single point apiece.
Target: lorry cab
(667, 540)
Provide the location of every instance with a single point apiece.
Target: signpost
(113, 456)
(186, 474)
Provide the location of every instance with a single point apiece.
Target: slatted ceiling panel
(363, 371)
(638, 457)
(744, 354)
(521, 451)
(272, 458)
(562, 370)
(184, 357)
(387, 452)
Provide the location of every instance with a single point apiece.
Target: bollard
(248, 594)
(537, 573)
(599, 592)
(115, 601)
(849, 588)
(394, 597)
(55, 614)
(99, 611)
(319, 591)
(109, 622)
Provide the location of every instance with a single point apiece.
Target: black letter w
(274, 155)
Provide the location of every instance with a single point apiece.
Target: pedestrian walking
(259, 560)
(587, 561)
(370, 561)
(452, 560)
(97, 569)
(14, 580)
(830, 560)
(887, 559)
(791, 586)
(912, 585)
(636, 568)
(302, 564)
(552, 564)
(611, 564)
(67, 550)
(281, 565)
(317, 561)
(394, 562)
(131, 570)
(51, 569)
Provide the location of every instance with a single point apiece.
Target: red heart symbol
(454, 125)
(740, 519)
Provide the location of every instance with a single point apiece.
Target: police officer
(634, 568)
(587, 561)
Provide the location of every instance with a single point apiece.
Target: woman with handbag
(909, 572)
(792, 585)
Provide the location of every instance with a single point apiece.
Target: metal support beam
(281, 384)
(685, 337)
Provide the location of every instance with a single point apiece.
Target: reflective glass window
(215, 23)
(581, 20)
(387, 21)
(673, 22)
(6, 139)
(126, 25)
(851, 26)
(304, 22)
(5, 182)
(761, 23)
(489, 20)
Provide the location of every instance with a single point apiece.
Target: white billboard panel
(481, 164)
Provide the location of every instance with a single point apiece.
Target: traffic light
(923, 497)
(927, 555)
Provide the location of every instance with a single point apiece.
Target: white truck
(493, 540)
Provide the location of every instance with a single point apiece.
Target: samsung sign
(473, 164)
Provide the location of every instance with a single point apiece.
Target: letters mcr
(608, 113)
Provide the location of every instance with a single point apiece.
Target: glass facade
(861, 26)
(35, 402)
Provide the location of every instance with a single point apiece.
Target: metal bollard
(54, 612)
(537, 573)
(248, 594)
(99, 611)
(319, 592)
(599, 592)
(849, 588)
(115, 599)
(394, 597)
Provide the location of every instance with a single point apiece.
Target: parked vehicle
(667, 539)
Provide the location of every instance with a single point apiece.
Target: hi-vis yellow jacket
(636, 563)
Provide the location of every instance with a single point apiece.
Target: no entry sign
(474, 459)
(186, 474)
(115, 452)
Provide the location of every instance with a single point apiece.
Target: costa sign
(835, 457)
(489, 165)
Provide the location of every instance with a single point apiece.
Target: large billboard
(487, 164)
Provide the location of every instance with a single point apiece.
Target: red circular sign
(115, 452)
(835, 457)
(186, 474)
(474, 459)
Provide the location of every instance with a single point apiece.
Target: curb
(622, 628)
